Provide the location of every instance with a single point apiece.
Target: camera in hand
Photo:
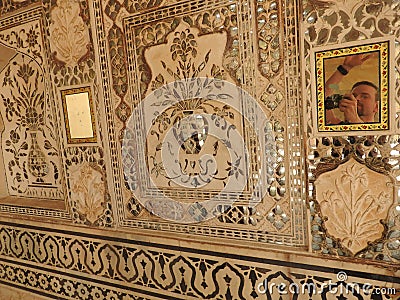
(333, 101)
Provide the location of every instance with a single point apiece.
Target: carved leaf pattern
(69, 34)
(26, 113)
(88, 191)
(354, 209)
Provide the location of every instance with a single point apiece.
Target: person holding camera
(359, 106)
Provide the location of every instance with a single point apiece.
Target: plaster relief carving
(87, 191)
(190, 55)
(354, 199)
(187, 55)
(69, 35)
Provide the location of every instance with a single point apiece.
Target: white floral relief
(69, 35)
(354, 199)
(87, 191)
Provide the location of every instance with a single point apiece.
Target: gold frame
(383, 50)
(92, 123)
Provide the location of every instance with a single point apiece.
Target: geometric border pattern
(100, 266)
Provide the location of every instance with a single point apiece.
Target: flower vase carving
(37, 164)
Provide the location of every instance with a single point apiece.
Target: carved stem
(352, 204)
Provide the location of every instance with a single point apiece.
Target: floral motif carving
(185, 48)
(154, 30)
(354, 204)
(30, 161)
(88, 191)
(69, 35)
(190, 130)
(219, 21)
(190, 59)
(29, 98)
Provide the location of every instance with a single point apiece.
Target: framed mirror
(353, 88)
(80, 124)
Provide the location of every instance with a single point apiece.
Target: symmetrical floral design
(69, 35)
(88, 191)
(28, 140)
(356, 203)
(218, 23)
(29, 103)
(184, 50)
(189, 127)
(152, 36)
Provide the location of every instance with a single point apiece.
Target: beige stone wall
(170, 150)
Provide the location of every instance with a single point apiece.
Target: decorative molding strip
(148, 267)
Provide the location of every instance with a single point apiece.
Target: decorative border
(385, 50)
(78, 90)
(126, 267)
(47, 283)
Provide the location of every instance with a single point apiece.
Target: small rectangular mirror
(79, 115)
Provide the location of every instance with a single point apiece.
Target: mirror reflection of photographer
(359, 106)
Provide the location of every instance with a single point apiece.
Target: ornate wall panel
(53, 51)
(196, 39)
(30, 144)
(113, 246)
(356, 159)
(73, 63)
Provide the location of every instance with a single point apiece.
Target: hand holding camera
(353, 111)
(347, 103)
(349, 106)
